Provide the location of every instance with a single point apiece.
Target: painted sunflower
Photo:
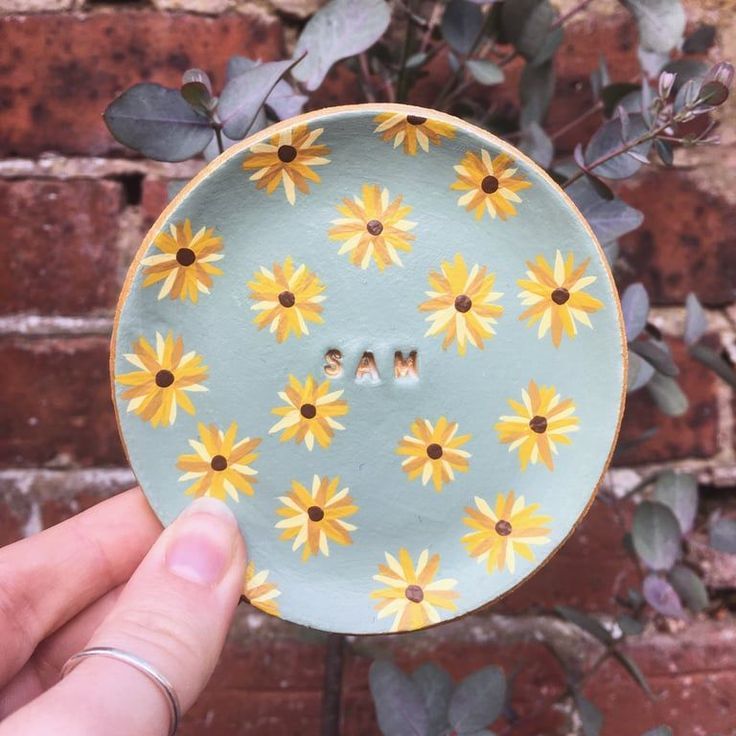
(220, 465)
(287, 158)
(286, 298)
(311, 518)
(412, 130)
(433, 452)
(373, 228)
(259, 592)
(542, 421)
(185, 262)
(490, 184)
(511, 529)
(309, 412)
(412, 595)
(555, 296)
(164, 378)
(461, 304)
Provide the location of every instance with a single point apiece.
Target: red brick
(66, 68)
(687, 242)
(57, 403)
(59, 245)
(695, 434)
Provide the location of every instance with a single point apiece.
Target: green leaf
(722, 535)
(661, 596)
(436, 686)
(700, 40)
(399, 705)
(640, 372)
(528, 25)
(635, 308)
(600, 78)
(586, 623)
(478, 700)
(613, 94)
(668, 395)
(632, 668)
(536, 144)
(485, 72)
(657, 354)
(710, 358)
(679, 492)
(339, 29)
(661, 23)
(536, 87)
(656, 535)
(630, 625)
(244, 95)
(461, 23)
(591, 718)
(609, 138)
(689, 587)
(196, 89)
(157, 122)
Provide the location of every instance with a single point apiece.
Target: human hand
(110, 577)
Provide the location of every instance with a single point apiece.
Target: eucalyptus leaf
(700, 40)
(679, 492)
(435, 686)
(656, 535)
(536, 88)
(245, 94)
(212, 150)
(600, 78)
(657, 354)
(685, 69)
(609, 138)
(338, 29)
(651, 62)
(485, 72)
(536, 144)
(400, 708)
(640, 372)
(665, 151)
(461, 23)
(661, 23)
(633, 669)
(630, 625)
(478, 700)
(662, 597)
(530, 26)
(586, 623)
(689, 587)
(613, 94)
(635, 307)
(710, 358)
(667, 394)
(591, 718)
(157, 122)
(612, 219)
(722, 535)
(196, 89)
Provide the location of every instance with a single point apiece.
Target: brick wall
(73, 208)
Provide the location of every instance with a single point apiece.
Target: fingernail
(202, 547)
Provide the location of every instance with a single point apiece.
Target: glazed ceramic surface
(392, 346)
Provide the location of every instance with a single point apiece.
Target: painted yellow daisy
(185, 262)
(541, 422)
(373, 228)
(164, 378)
(500, 534)
(490, 184)
(288, 158)
(461, 304)
(311, 518)
(555, 296)
(412, 130)
(259, 592)
(433, 452)
(309, 412)
(286, 298)
(412, 595)
(221, 464)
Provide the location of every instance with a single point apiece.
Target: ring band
(161, 682)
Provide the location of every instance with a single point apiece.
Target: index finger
(47, 579)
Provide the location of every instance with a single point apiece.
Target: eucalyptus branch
(365, 74)
(403, 78)
(218, 136)
(597, 107)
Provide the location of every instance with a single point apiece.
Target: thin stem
(332, 692)
(218, 136)
(365, 74)
(431, 23)
(403, 79)
(576, 121)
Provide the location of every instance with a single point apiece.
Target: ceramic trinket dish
(391, 344)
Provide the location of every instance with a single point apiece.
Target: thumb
(174, 613)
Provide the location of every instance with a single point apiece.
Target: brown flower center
(218, 462)
(287, 299)
(503, 527)
(415, 120)
(463, 303)
(489, 184)
(414, 593)
(374, 227)
(315, 513)
(308, 411)
(538, 424)
(560, 295)
(185, 256)
(286, 153)
(434, 451)
(164, 378)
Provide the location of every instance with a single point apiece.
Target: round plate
(392, 345)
